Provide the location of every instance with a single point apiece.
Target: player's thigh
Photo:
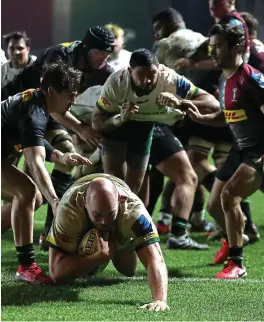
(15, 183)
(179, 169)
(125, 261)
(114, 157)
(245, 181)
(220, 154)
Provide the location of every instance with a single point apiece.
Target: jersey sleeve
(257, 87)
(108, 100)
(142, 227)
(66, 229)
(185, 88)
(32, 128)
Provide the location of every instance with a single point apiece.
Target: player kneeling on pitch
(99, 219)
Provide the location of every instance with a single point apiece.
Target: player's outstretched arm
(152, 258)
(214, 118)
(35, 158)
(85, 132)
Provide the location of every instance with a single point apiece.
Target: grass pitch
(193, 293)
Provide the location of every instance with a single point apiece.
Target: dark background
(49, 22)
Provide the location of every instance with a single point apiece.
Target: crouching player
(24, 120)
(106, 203)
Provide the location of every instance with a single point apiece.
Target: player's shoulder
(252, 75)
(120, 78)
(60, 51)
(167, 75)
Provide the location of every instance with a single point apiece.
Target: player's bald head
(101, 189)
(102, 203)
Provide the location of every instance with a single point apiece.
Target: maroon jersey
(235, 18)
(257, 54)
(241, 98)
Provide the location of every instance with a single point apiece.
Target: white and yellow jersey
(118, 90)
(134, 226)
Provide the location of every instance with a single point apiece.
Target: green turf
(193, 294)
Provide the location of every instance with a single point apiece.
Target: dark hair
(61, 77)
(143, 57)
(168, 16)
(17, 35)
(234, 35)
(251, 22)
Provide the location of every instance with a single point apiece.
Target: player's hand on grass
(127, 110)
(90, 136)
(168, 99)
(74, 159)
(155, 306)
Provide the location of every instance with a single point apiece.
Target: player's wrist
(118, 120)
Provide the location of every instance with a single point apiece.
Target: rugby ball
(89, 246)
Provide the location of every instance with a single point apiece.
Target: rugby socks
(209, 180)
(236, 255)
(156, 182)
(245, 207)
(198, 212)
(166, 197)
(61, 182)
(179, 226)
(25, 254)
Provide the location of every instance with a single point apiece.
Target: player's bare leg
(19, 189)
(178, 168)
(242, 184)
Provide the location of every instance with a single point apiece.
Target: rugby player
(142, 93)
(242, 101)
(89, 56)
(18, 49)
(256, 58)
(120, 57)
(106, 203)
(24, 120)
(224, 12)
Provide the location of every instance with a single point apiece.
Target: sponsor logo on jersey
(27, 95)
(233, 116)
(104, 102)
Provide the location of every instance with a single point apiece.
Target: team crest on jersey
(234, 98)
(233, 116)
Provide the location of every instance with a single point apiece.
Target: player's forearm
(158, 279)
(216, 119)
(104, 124)
(42, 179)
(207, 103)
(67, 267)
(67, 120)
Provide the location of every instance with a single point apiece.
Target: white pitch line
(197, 279)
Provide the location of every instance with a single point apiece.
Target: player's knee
(39, 199)
(27, 191)
(228, 200)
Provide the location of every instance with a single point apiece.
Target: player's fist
(155, 306)
(127, 110)
(168, 99)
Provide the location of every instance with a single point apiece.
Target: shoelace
(35, 269)
(228, 268)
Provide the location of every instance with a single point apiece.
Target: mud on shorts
(236, 157)
(132, 142)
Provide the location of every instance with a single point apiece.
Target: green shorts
(132, 141)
